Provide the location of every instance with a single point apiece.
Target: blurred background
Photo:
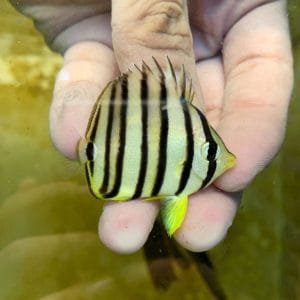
(49, 248)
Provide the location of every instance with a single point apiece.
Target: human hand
(244, 69)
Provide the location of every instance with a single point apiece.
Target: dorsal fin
(183, 86)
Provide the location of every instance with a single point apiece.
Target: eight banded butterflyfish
(145, 139)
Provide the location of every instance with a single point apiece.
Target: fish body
(145, 139)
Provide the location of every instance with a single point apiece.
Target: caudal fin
(173, 212)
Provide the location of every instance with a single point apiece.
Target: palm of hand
(243, 64)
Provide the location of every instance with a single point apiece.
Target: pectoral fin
(173, 212)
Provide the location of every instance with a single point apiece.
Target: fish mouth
(230, 160)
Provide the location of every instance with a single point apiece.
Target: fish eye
(210, 153)
(204, 150)
(90, 151)
(86, 151)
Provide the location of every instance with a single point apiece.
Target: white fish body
(145, 139)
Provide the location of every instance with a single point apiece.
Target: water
(49, 248)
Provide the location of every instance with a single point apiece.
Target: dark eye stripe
(163, 141)
(90, 146)
(212, 150)
(189, 147)
(144, 145)
(212, 166)
(95, 125)
(93, 121)
(105, 181)
(122, 139)
(88, 176)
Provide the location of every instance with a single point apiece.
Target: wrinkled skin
(242, 76)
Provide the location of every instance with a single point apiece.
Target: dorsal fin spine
(162, 74)
(136, 66)
(172, 71)
(183, 82)
(183, 86)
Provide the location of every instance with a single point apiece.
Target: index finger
(258, 83)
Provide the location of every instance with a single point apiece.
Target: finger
(88, 66)
(64, 23)
(211, 80)
(258, 87)
(209, 215)
(151, 28)
(125, 226)
(154, 28)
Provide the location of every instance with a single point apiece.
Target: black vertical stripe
(111, 108)
(122, 139)
(91, 165)
(144, 145)
(92, 140)
(95, 125)
(94, 111)
(189, 147)
(209, 138)
(88, 176)
(212, 165)
(163, 142)
(212, 150)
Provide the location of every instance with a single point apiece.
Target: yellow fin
(173, 212)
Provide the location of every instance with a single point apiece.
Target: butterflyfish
(145, 139)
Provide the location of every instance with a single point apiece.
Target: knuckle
(159, 25)
(166, 11)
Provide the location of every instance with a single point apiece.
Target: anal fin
(173, 212)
